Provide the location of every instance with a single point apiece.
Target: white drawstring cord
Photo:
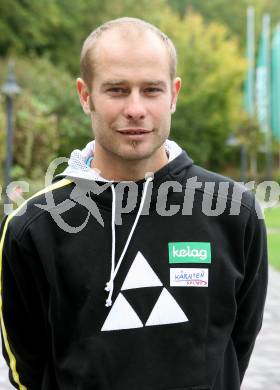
(110, 284)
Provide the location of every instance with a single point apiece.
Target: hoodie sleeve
(252, 294)
(23, 331)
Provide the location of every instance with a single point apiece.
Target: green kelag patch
(189, 252)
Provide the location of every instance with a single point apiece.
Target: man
(184, 286)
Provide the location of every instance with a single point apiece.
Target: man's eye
(152, 90)
(117, 91)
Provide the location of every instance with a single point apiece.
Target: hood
(79, 167)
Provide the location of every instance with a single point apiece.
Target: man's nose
(134, 106)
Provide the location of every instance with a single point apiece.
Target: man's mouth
(134, 131)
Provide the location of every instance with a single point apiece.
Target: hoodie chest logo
(189, 252)
(123, 314)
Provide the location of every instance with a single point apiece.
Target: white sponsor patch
(189, 277)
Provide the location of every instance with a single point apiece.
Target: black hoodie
(187, 297)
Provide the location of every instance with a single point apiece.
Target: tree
(232, 15)
(49, 120)
(210, 102)
(2, 138)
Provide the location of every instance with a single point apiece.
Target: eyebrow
(114, 83)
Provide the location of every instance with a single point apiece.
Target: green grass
(272, 220)
(274, 250)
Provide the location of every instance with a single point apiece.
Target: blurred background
(227, 118)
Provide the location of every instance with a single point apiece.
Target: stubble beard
(127, 152)
(116, 151)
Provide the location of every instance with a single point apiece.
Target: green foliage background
(45, 37)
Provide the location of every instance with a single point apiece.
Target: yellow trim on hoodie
(12, 358)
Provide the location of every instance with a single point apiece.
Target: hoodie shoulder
(36, 205)
(220, 185)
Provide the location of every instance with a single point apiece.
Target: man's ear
(176, 86)
(84, 95)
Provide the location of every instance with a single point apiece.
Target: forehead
(130, 55)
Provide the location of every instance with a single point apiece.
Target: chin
(134, 155)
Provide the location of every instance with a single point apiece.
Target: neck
(127, 170)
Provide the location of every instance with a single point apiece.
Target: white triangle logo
(121, 316)
(166, 311)
(140, 275)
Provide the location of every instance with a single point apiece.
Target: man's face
(132, 96)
